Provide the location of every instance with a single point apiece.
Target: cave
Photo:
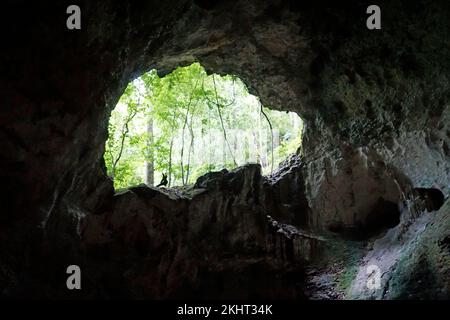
(375, 106)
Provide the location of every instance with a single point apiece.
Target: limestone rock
(376, 111)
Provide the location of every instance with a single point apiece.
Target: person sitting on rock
(163, 181)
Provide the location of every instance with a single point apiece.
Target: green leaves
(188, 123)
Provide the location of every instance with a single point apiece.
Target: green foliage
(188, 123)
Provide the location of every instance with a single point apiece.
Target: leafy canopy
(188, 123)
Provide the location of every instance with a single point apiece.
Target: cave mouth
(170, 130)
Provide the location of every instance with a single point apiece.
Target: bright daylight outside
(168, 131)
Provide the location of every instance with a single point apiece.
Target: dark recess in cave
(385, 215)
(433, 198)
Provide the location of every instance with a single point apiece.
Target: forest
(188, 123)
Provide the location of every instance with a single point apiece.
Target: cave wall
(375, 102)
(375, 105)
(214, 242)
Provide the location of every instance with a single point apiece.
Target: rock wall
(412, 259)
(215, 241)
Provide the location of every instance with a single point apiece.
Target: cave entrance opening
(170, 130)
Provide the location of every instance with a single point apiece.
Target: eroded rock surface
(220, 243)
(376, 109)
(412, 258)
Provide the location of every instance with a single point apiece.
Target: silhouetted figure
(163, 181)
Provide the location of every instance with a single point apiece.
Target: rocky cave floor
(344, 274)
(331, 282)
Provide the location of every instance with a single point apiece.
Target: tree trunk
(224, 155)
(150, 161)
(271, 138)
(210, 149)
(221, 122)
(246, 149)
(124, 134)
(276, 138)
(190, 152)
(170, 162)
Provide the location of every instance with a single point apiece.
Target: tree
(179, 123)
(119, 133)
(150, 161)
